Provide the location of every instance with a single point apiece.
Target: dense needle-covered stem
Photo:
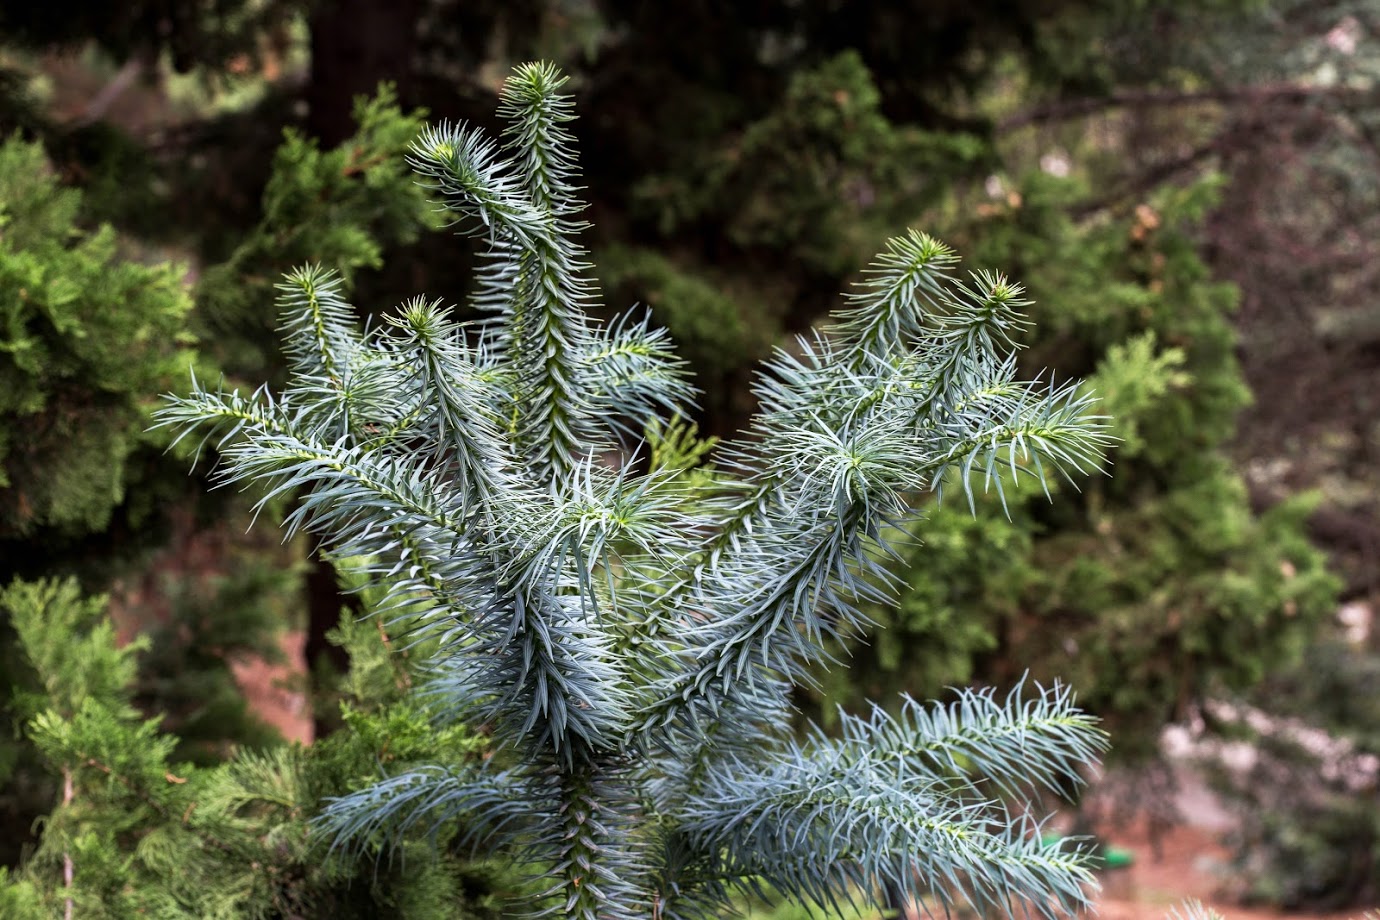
(631, 638)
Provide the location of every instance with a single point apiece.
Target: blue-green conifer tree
(630, 636)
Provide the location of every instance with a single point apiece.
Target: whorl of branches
(630, 637)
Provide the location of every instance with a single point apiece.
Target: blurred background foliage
(1189, 191)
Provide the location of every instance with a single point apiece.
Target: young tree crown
(631, 636)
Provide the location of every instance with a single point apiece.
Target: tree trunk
(324, 603)
(355, 45)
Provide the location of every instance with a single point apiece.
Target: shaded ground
(1188, 864)
(1174, 833)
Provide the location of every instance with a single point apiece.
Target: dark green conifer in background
(87, 336)
(131, 832)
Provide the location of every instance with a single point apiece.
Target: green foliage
(71, 646)
(1132, 378)
(20, 899)
(792, 184)
(767, 907)
(142, 835)
(85, 338)
(749, 229)
(718, 337)
(820, 177)
(630, 638)
(91, 334)
(1146, 591)
(677, 450)
(341, 205)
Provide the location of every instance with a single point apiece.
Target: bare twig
(68, 793)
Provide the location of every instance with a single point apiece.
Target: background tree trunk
(355, 45)
(324, 659)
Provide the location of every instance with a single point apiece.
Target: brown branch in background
(1240, 134)
(1141, 183)
(1143, 99)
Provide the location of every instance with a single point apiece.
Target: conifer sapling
(630, 637)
